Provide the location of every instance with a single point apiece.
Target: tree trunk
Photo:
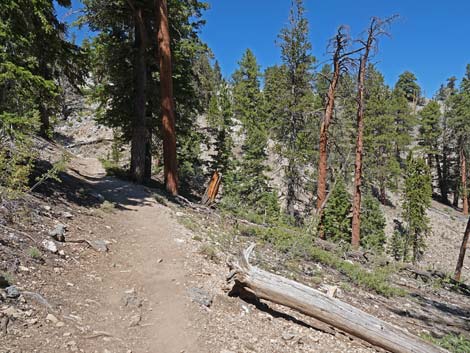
(442, 183)
(329, 109)
(356, 216)
(167, 104)
(212, 189)
(373, 31)
(139, 137)
(308, 301)
(463, 249)
(463, 180)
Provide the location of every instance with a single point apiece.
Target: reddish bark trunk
(356, 212)
(139, 137)
(463, 249)
(167, 104)
(212, 189)
(463, 176)
(323, 163)
(329, 109)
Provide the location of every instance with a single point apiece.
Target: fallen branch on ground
(308, 301)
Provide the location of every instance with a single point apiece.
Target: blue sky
(430, 38)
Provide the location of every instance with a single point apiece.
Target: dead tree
(376, 29)
(463, 249)
(341, 60)
(167, 103)
(212, 189)
(268, 286)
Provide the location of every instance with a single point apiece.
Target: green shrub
(453, 343)
(34, 253)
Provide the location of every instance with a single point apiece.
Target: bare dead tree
(341, 61)
(463, 249)
(167, 104)
(377, 28)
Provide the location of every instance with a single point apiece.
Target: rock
(159, 261)
(49, 245)
(67, 215)
(23, 268)
(287, 336)
(134, 321)
(46, 207)
(12, 292)
(200, 296)
(58, 233)
(61, 253)
(59, 324)
(12, 312)
(52, 319)
(99, 245)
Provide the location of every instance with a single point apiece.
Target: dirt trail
(143, 300)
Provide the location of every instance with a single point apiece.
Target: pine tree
(417, 195)
(446, 163)
(114, 55)
(459, 122)
(34, 54)
(290, 111)
(220, 116)
(335, 218)
(408, 86)
(372, 224)
(380, 135)
(248, 184)
(430, 131)
(404, 122)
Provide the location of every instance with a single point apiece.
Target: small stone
(32, 321)
(159, 261)
(287, 336)
(52, 319)
(12, 312)
(60, 324)
(200, 296)
(46, 207)
(62, 253)
(67, 215)
(99, 245)
(12, 292)
(134, 321)
(23, 268)
(58, 233)
(49, 245)
(67, 334)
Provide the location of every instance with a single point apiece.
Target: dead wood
(308, 301)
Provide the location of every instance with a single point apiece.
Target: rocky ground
(97, 264)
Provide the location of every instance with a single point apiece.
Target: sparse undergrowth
(300, 245)
(453, 343)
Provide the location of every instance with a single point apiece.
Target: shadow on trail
(91, 191)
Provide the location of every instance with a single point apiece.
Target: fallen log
(308, 301)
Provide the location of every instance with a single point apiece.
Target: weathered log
(334, 312)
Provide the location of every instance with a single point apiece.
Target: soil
(161, 288)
